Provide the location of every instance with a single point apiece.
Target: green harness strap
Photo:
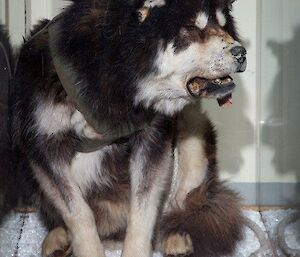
(67, 78)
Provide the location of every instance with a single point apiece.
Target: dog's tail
(7, 62)
(212, 217)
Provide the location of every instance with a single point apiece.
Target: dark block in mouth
(216, 90)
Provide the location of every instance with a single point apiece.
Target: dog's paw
(56, 244)
(177, 245)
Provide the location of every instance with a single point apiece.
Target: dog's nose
(240, 53)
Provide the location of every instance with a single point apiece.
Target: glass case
(258, 137)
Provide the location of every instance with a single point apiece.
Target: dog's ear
(144, 7)
(230, 4)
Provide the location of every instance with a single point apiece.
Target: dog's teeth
(218, 81)
(228, 80)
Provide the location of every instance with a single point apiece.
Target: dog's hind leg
(193, 159)
(203, 217)
(150, 173)
(67, 197)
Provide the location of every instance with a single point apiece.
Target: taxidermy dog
(129, 74)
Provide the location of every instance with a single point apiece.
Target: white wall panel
(15, 17)
(2, 12)
(40, 9)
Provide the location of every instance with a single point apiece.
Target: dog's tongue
(225, 101)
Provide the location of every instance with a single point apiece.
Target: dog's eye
(190, 26)
(230, 5)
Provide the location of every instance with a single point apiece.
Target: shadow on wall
(235, 131)
(239, 129)
(281, 131)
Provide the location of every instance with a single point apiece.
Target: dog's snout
(240, 53)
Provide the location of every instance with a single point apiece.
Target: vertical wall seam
(259, 9)
(6, 2)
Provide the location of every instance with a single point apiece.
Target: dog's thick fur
(129, 57)
(5, 149)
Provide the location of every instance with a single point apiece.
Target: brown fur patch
(220, 33)
(111, 218)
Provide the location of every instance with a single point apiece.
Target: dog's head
(198, 49)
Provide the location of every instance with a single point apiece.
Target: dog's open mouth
(220, 88)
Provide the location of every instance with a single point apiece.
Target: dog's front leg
(150, 173)
(79, 219)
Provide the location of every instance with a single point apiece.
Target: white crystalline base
(250, 243)
(271, 220)
(33, 232)
(29, 245)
